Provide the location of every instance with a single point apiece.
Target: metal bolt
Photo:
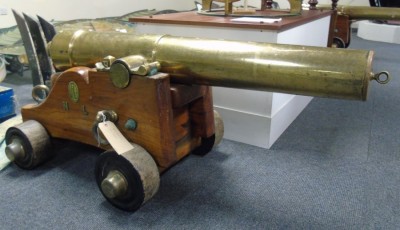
(114, 185)
(15, 150)
(106, 115)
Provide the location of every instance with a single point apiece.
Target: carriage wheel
(219, 128)
(28, 144)
(127, 180)
(338, 43)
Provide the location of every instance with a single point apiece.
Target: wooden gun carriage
(147, 101)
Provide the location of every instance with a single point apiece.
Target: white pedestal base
(379, 32)
(259, 129)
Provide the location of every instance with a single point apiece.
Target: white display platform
(253, 117)
(379, 32)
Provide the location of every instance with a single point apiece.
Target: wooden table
(192, 18)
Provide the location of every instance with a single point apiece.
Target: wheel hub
(114, 185)
(15, 150)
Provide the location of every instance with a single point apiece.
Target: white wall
(78, 9)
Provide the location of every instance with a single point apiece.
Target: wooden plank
(202, 115)
(182, 124)
(184, 94)
(342, 29)
(332, 25)
(183, 147)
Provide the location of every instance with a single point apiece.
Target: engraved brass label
(73, 91)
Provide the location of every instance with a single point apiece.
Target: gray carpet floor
(336, 167)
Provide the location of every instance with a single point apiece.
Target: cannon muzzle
(313, 71)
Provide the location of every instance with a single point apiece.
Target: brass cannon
(345, 15)
(146, 99)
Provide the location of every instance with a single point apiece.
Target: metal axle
(15, 150)
(114, 185)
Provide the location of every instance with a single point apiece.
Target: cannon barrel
(366, 12)
(313, 71)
